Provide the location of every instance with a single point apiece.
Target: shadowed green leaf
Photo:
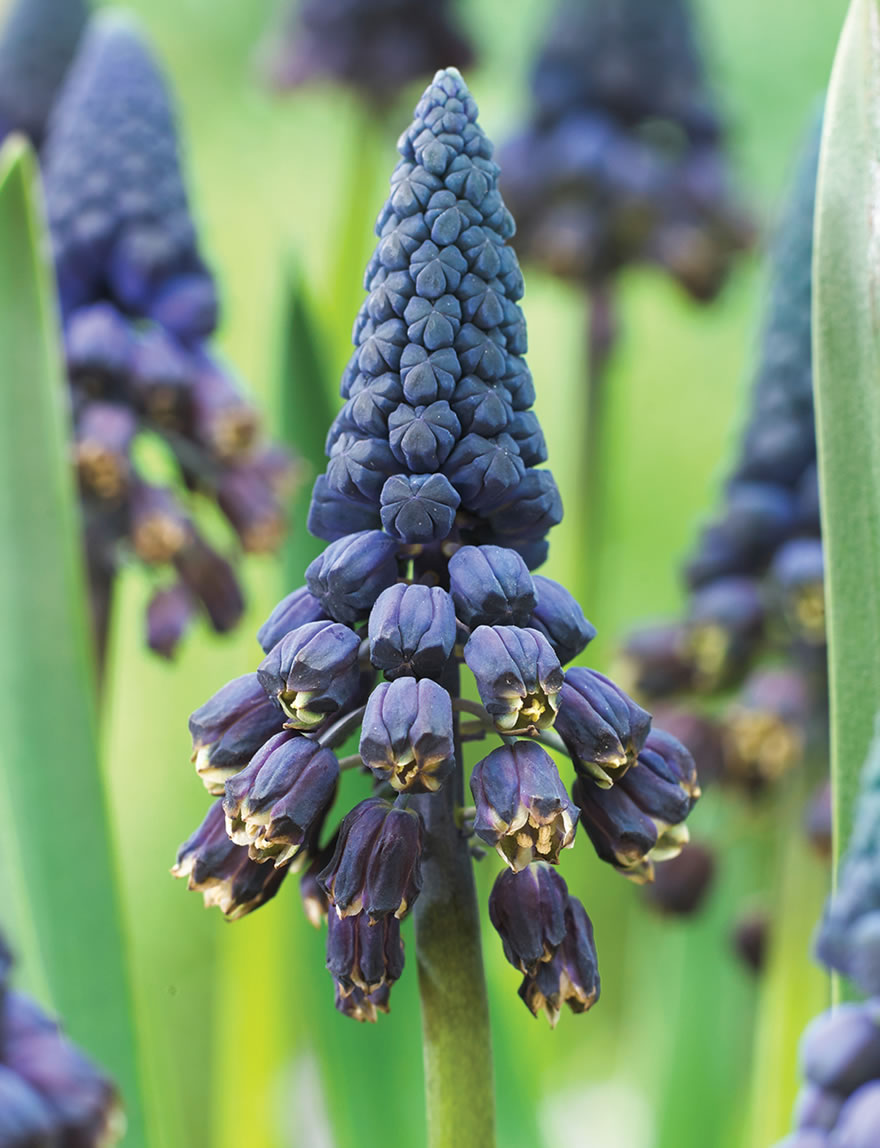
(57, 836)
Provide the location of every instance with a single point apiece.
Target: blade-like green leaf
(56, 838)
(846, 319)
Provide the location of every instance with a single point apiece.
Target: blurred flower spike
(434, 511)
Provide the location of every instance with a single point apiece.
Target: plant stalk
(459, 1083)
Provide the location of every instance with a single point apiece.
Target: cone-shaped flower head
(622, 161)
(407, 734)
(527, 909)
(138, 305)
(374, 46)
(523, 809)
(37, 45)
(571, 976)
(603, 728)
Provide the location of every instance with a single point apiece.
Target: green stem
(459, 1083)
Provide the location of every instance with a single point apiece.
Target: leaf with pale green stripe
(56, 842)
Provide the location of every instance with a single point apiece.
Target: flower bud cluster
(623, 161)
(438, 399)
(755, 578)
(37, 44)
(139, 307)
(50, 1092)
(376, 47)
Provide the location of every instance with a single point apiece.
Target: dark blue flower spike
(436, 445)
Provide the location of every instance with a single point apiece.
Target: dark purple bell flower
(333, 515)
(352, 572)
(99, 346)
(527, 909)
(764, 726)
(212, 581)
(229, 729)
(407, 734)
(170, 613)
(557, 615)
(622, 834)
(158, 526)
(223, 872)
(798, 573)
(298, 608)
(518, 676)
(376, 866)
(571, 976)
(656, 662)
(361, 1006)
(602, 727)
(312, 672)
(725, 625)
(361, 955)
(161, 381)
(491, 586)
(665, 783)
(412, 631)
(104, 435)
(523, 809)
(276, 805)
(418, 508)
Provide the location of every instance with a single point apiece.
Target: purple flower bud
(333, 515)
(407, 734)
(764, 728)
(25, 1116)
(229, 729)
(681, 883)
(840, 1050)
(363, 956)
(223, 872)
(603, 729)
(170, 613)
(83, 1103)
(161, 379)
(186, 305)
(518, 676)
(223, 421)
(412, 631)
(376, 866)
(523, 809)
(352, 572)
(252, 508)
(859, 1123)
(99, 345)
(422, 438)
(622, 834)
(312, 672)
(481, 408)
(655, 661)
(525, 430)
(798, 573)
(528, 510)
(725, 626)
(297, 609)
(158, 527)
(104, 435)
(571, 976)
(484, 470)
(665, 784)
(490, 586)
(419, 508)
(560, 619)
(528, 911)
(276, 805)
(212, 580)
(817, 1108)
(359, 466)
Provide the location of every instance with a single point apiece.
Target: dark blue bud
(560, 619)
(529, 510)
(433, 323)
(187, 306)
(212, 580)
(358, 467)
(275, 806)
(412, 631)
(517, 381)
(757, 518)
(481, 408)
(484, 471)
(333, 515)
(571, 976)
(725, 626)
(363, 956)
(523, 809)
(665, 783)
(816, 1108)
(490, 585)
(98, 343)
(421, 438)
(104, 435)
(481, 353)
(622, 834)
(602, 727)
(840, 1050)
(419, 508)
(518, 676)
(229, 729)
(428, 376)
(528, 911)
(223, 872)
(170, 613)
(312, 672)
(297, 609)
(376, 866)
(798, 571)
(859, 1123)
(368, 409)
(352, 572)
(407, 734)
(526, 432)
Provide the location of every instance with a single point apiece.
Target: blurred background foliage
(239, 1040)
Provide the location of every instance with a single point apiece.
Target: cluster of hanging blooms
(50, 1092)
(754, 621)
(37, 44)
(623, 159)
(159, 420)
(435, 510)
(376, 47)
(839, 1104)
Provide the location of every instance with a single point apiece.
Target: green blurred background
(239, 1039)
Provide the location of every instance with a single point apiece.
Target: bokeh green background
(240, 1042)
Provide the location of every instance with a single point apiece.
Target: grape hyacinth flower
(50, 1092)
(436, 417)
(754, 622)
(139, 307)
(376, 47)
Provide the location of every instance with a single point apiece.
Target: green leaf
(56, 839)
(846, 315)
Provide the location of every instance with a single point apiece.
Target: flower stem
(459, 1083)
